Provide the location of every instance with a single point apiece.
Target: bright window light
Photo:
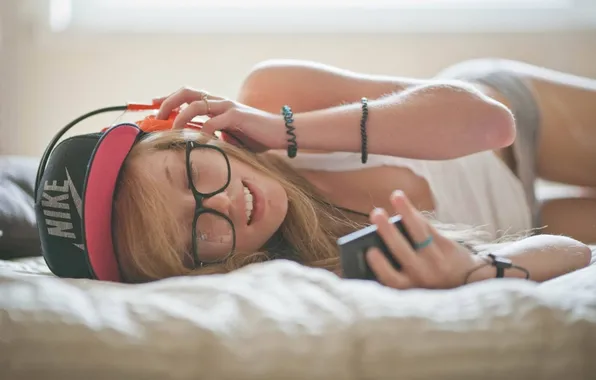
(173, 4)
(319, 3)
(60, 14)
(320, 16)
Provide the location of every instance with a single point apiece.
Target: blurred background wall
(50, 74)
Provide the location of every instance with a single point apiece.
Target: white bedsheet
(279, 320)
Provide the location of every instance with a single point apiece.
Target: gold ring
(208, 107)
(204, 95)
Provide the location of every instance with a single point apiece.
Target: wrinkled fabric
(280, 320)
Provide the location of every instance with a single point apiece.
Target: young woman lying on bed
(449, 144)
(189, 203)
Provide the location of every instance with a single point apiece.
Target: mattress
(279, 320)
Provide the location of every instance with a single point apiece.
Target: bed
(279, 320)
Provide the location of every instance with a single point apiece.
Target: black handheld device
(354, 246)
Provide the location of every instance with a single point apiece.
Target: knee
(277, 66)
(264, 70)
(263, 82)
(268, 80)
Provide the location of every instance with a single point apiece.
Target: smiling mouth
(248, 202)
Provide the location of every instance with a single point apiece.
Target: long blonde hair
(145, 231)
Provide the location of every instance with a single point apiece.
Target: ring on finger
(207, 104)
(205, 95)
(423, 244)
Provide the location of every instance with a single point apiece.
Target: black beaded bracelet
(500, 264)
(363, 121)
(289, 119)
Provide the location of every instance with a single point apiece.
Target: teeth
(248, 199)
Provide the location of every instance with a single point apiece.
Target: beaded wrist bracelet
(289, 120)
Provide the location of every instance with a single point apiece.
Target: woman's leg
(566, 113)
(573, 217)
(307, 86)
(566, 146)
(556, 139)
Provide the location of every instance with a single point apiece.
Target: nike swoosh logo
(75, 195)
(78, 202)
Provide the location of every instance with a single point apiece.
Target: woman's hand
(257, 130)
(440, 264)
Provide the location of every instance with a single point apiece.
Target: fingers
(176, 99)
(416, 224)
(394, 240)
(218, 123)
(158, 101)
(203, 107)
(386, 274)
(423, 265)
(183, 96)
(418, 227)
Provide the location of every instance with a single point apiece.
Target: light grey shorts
(498, 75)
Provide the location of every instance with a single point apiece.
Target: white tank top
(478, 190)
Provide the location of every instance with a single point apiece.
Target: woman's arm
(544, 256)
(310, 86)
(436, 121)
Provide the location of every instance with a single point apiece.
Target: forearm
(309, 86)
(543, 256)
(434, 121)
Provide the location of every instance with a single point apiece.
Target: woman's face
(255, 203)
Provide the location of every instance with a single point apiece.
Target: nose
(220, 202)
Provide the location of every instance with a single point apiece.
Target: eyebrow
(168, 173)
(177, 177)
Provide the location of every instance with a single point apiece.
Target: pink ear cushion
(104, 169)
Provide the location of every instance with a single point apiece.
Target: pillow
(18, 229)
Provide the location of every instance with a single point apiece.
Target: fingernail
(372, 251)
(397, 194)
(377, 211)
